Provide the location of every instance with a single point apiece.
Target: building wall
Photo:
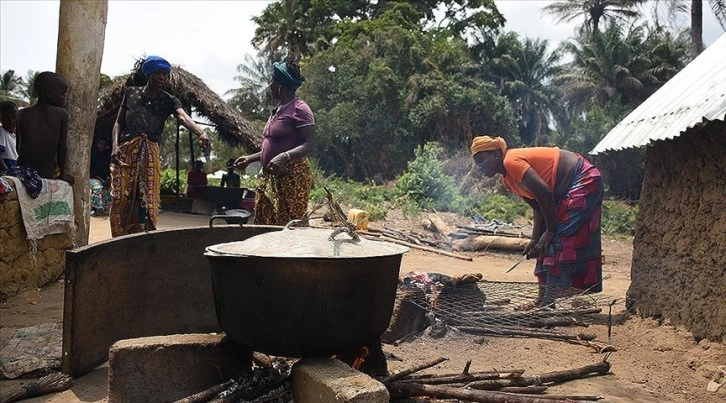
(20, 268)
(679, 255)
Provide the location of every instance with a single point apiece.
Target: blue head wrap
(153, 63)
(283, 76)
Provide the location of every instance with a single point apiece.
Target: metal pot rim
(305, 242)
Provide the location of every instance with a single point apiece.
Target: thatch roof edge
(191, 91)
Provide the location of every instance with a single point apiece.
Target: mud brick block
(329, 380)
(168, 368)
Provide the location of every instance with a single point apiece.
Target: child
(8, 150)
(231, 179)
(42, 129)
(196, 181)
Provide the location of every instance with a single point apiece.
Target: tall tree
(387, 87)
(11, 86)
(81, 33)
(28, 88)
(593, 11)
(252, 98)
(301, 27)
(523, 72)
(280, 28)
(604, 67)
(694, 8)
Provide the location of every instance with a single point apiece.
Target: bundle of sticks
(494, 386)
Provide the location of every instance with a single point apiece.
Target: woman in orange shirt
(565, 192)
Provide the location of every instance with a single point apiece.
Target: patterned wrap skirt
(135, 187)
(574, 258)
(284, 197)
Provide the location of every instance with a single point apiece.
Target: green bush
(502, 207)
(248, 181)
(424, 182)
(168, 181)
(618, 218)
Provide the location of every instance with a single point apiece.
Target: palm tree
(593, 10)
(604, 67)
(695, 9)
(526, 84)
(282, 28)
(251, 99)
(28, 90)
(10, 86)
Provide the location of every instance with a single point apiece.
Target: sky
(206, 38)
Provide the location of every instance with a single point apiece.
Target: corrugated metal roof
(694, 95)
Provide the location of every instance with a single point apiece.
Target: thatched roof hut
(191, 91)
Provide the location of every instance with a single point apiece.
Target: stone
(320, 379)
(169, 368)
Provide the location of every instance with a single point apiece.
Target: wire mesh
(506, 305)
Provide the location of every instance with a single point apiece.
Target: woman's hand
(529, 250)
(544, 242)
(204, 141)
(241, 163)
(278, 163)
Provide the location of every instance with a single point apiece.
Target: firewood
(508, 373)
(420, 367)
(554, 322)
(263, 392)
(440, 226)
(562, 398)
(396, 235)
(484, 242)
(524, 389)
(600, 368)
(515, 331)
(208, 394)
(426, 248)
(481, 231)
(403, 390)
(465, 378)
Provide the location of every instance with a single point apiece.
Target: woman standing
(565, 192)
(289, 137)
(135, 171)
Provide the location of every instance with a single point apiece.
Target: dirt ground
(654, 361)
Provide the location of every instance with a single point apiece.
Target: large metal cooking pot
(301, 292)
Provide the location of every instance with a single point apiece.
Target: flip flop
(718, 380)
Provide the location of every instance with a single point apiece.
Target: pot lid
(307, 243)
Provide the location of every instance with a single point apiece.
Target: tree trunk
(81, 33)
(696, 28)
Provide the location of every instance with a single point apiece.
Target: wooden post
(81, 34)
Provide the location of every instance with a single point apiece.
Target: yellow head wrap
(486, 143)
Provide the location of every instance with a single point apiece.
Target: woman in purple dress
(289, 137)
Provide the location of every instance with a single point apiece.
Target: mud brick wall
(679, 254)
(20, 269)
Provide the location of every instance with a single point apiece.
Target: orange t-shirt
(544, 161)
